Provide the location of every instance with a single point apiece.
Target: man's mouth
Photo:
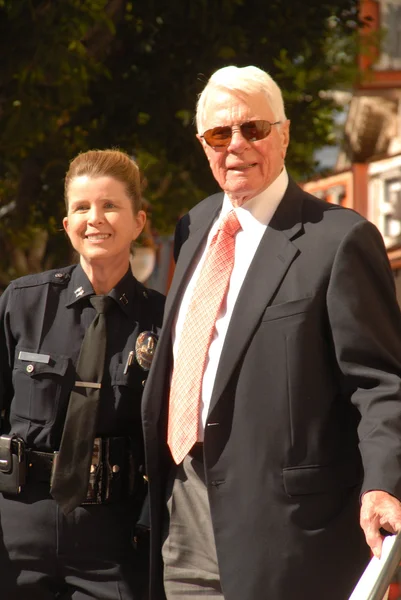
(243, 167)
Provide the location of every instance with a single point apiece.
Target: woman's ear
(140, 220)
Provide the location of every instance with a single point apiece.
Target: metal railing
(385, 573)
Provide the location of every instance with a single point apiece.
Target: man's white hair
(242, 82)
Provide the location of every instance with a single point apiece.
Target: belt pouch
(12, 464)
(119, 469)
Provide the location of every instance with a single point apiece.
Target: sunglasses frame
(240, 125)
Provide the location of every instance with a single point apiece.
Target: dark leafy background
(78, 75)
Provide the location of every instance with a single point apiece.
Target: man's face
(244, 168)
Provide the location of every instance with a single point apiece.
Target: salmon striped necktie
(189, 365)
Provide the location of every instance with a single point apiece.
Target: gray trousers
(189, 551)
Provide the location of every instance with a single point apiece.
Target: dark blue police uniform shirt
(48, 314)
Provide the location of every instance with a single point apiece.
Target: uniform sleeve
(7, 345)
(365, 322)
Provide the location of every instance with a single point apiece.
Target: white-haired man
(274, 402)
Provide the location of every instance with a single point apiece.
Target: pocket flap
(287, 309)
(131, 377)
(320, 479)
(57, 365)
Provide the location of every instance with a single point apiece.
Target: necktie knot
(230, 223)
(101, 303)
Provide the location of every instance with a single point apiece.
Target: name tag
(33, 357)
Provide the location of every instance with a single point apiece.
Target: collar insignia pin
(79, 291)
(123, 299)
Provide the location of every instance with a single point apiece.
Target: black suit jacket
(306, 406)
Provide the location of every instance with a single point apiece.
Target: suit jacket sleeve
(366, 328)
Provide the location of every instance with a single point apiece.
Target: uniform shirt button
(59, 275)
(143, 382)
(30, 369)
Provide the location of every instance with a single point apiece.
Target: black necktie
(71, 471)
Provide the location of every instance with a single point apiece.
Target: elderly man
(272, 415)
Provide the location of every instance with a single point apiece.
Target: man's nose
(238, 143)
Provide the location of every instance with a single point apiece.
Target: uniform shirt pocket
(128, 384)
(130, 378)
(37, 385)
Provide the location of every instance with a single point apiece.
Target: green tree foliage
(46, 69)
(102, 73)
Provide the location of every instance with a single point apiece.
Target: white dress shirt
(254, 216)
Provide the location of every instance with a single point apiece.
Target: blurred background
(76, 75)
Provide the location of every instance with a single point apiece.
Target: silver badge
(145, 348)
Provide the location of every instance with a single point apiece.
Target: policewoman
(76, 345)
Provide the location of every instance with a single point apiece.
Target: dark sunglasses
(220, 137)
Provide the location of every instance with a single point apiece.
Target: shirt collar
(123, 293)
(261, 207)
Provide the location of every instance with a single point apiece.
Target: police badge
(145, 348)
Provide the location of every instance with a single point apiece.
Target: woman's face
(100, 222)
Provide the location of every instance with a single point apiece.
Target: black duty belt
(112, 470)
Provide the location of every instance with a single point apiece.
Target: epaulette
(147, 292)
(57, 276)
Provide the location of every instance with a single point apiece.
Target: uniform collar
(80, 287)
(123, 293)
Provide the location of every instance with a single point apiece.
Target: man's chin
(239, 198)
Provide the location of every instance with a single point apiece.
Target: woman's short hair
(111, 163)
(242, 82)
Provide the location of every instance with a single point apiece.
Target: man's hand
(379, 509)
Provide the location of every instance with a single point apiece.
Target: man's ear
(65, 224)
(286, 133)
(285, 137)
(202, 142)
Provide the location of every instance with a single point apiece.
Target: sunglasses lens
(220, 137)
(255, 130)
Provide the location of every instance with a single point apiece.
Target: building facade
(367, 174)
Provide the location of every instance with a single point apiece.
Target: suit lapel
(273, 258)
(198, 231)
(155, 386)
